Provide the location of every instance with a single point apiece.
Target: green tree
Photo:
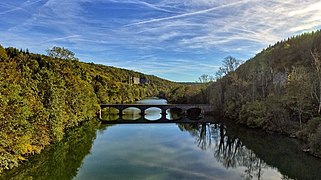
(61, 52)
(298, 90)
(3, 53)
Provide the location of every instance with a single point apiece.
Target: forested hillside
(42, 96)
(277, 90)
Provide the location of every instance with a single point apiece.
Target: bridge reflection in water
(188, 113)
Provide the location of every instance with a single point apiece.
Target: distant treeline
(277, 90)
(42, 96)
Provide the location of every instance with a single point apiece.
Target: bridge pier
(163, 113)
(142, 111)
(120, 113)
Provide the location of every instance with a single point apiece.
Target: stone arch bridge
(202, 108)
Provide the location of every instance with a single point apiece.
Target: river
(221, 150)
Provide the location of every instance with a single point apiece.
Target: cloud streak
(176, 39)
(186, 14)
(22, 7)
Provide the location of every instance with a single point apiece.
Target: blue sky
(177, 40)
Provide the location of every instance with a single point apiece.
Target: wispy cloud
(12, 8)
(143, 3)
(72, 37)
(186, 14)
(176, 39)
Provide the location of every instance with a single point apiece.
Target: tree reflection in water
(227, 149)
(62, 159)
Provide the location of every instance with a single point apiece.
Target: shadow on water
(61, 160)
(235, 146)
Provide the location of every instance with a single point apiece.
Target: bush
(315, 142)
(310, 128)
(253, 114)
(313, 125)
(233, 108)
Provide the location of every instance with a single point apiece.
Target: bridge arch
(109, 113)
(194, 112)
(175, 110)
(153, 113)
(174, 113)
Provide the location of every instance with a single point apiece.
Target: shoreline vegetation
(279, 90)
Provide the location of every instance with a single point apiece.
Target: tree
(298, 90)
(205, 78)
(220, 73)
(317, 66)
(61, 52)
(230, 64)
(3, 53)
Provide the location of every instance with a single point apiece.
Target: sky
(178, 40)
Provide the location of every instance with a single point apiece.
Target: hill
(41, 97)
(277, 90)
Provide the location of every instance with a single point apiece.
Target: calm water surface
(169, 151)
(164, 151)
